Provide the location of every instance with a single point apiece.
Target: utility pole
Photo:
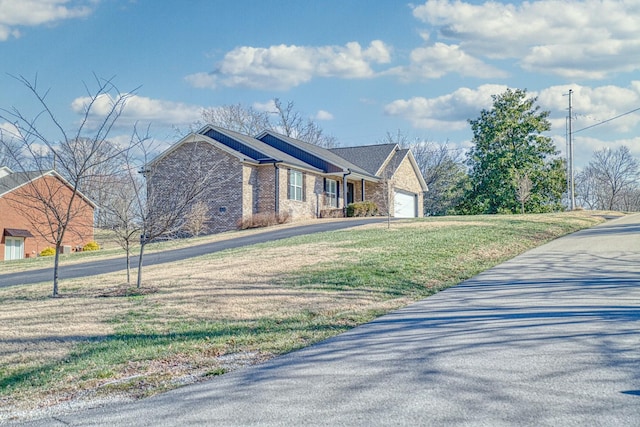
(571, 190)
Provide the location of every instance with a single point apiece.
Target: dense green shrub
(366, 208)
(91, 246)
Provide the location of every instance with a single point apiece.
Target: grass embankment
(201, 317)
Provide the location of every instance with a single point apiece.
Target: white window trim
(296, 190)
(332, 193)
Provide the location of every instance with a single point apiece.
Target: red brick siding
(19, 210)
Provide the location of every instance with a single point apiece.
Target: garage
(404, 204)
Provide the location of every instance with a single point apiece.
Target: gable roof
(243, 147)
(15, 180)
(252, 148)
(315, 155)
(369, 157)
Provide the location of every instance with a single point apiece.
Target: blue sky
(360, 69)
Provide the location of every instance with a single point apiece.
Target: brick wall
(221, 173)
(313, 189)
(405, 179)
(20, 210)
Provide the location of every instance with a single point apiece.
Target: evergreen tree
(509, 145)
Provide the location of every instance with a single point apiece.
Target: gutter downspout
(344, 191)
(276, 204)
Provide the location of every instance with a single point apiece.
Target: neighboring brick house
(274, 175)
(26, 228)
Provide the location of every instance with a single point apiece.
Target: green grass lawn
(257, 301)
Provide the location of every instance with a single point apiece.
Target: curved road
(92, 268)
(550, 338)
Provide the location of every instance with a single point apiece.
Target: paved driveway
(550, 338)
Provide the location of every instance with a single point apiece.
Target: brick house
(273, 174)
(24, 223)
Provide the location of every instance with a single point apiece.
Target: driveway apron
(549, 338)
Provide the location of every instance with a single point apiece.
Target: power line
(608, 120)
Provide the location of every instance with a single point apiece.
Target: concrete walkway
(550, 338)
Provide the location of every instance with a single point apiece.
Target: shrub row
(366, 208)
(91, 246)
(264, 220)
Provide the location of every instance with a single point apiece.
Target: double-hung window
(331, 188)
(295, 185)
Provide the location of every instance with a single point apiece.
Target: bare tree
(399, 138)
(608, 179)
(236, 117)
(445, 174)
(523, 188)
(167, 198)
(121, 213)
(197, 218)
(73, 154)
(284, 119)
(10, 150)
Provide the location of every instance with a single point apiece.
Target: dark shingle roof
(251, 147)
(316, 155)
(16, 179)
(368, 157)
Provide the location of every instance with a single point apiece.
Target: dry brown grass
(240, 286)
(34, 327)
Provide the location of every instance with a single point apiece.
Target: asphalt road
(92, 268)
(550, 338)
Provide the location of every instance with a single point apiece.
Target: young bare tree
(523, 186)
(121, 214)
(74, 154)
(169, 193)
(197, 218)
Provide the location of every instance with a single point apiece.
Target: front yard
(199, 318)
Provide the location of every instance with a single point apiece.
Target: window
(331, 188)
(295, 185)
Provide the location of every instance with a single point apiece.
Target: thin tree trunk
(139, 282)
(56, 261)
(128, 251)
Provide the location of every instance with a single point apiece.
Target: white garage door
(404, 205)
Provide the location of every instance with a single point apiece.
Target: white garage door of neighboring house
(404, 205)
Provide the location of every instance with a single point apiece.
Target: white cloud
(439, 59)
(286, 66)
(140, 109)
(593, 105)
(202, 80)
(31, 13)
(446, 112)
(324, 115)
(267, 107)
(571, 38)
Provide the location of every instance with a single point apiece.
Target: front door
(349, 192)
(13, 248)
